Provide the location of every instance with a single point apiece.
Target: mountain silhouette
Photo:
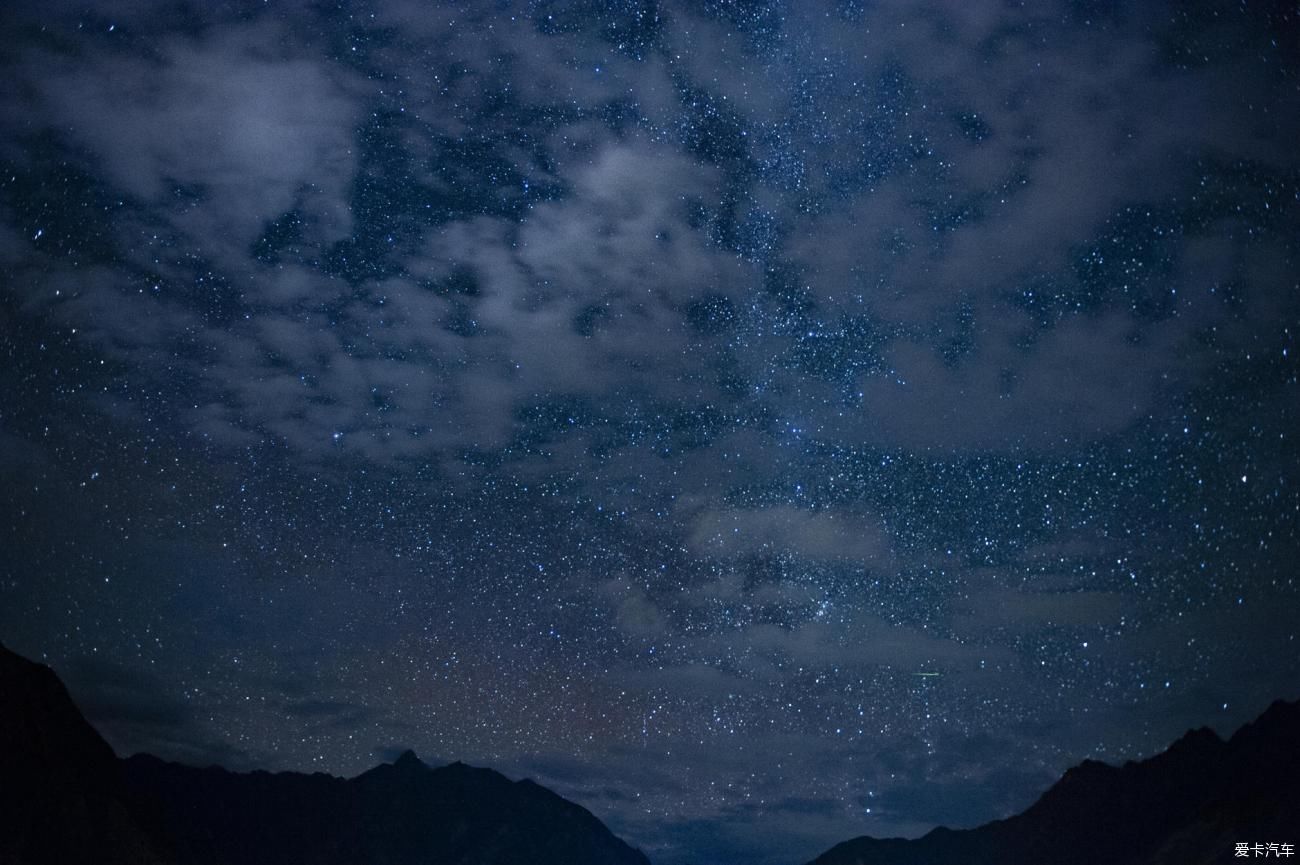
(1189, 805)
(63, 797)
(66, 798)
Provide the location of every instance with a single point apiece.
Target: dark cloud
(111, 694)
(138, 711)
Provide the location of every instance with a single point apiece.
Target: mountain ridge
(1186, 805)
(67, 797)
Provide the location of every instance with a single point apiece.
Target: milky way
(763, 423)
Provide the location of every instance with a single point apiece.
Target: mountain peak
(408, 761)
(1168, 808)
(71, 800)
(1198, 742)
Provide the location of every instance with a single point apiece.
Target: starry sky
(764, 423)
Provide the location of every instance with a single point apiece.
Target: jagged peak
(408, 761)
(1279, 713)
(1198, 738)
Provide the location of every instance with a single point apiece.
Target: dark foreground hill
(65, 798)
(1190, 805)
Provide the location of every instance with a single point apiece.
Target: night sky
(763, 423)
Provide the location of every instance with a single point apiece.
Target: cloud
(137, 711)
(1036, 138)
(325, 715)
(785, 529)
(221, 134)
(1023, 611)
(639, 617)
(637, 281)
(857, 641)
(1087, 378)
